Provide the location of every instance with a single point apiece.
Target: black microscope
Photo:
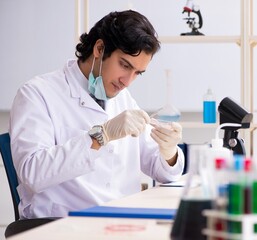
(231, 112)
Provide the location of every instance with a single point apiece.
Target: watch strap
(99, 135)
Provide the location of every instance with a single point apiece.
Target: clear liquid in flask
(168, 113)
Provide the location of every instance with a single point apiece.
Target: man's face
(120, 69)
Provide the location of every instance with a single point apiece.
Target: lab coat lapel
(78, 84)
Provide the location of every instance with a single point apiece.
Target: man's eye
(124, 65)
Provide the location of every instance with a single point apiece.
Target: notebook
(126, 212)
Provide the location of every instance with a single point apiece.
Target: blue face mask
(95, 85)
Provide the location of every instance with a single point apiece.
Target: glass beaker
(168, 113)
(189, 221)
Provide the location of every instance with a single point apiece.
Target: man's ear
(98, 48)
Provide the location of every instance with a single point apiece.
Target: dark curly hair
(129, 31)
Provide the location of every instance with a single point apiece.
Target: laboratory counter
(114, 228)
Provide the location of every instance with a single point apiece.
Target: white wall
(38, 36)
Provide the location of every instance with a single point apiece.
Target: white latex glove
(167, 135)
(129, 122)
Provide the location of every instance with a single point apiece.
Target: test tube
(236, 194)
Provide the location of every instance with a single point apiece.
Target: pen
(155, 113)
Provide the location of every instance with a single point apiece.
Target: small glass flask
(168, 113)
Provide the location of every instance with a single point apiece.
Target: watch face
(95, 130)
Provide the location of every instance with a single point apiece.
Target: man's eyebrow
(131, 66)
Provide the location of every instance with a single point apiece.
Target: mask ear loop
(101, 63)
(92, 67)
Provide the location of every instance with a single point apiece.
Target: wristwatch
(96, 132)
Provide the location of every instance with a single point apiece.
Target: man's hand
(129, 122)
(167, 135)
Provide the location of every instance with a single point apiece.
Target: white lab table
(113, 228)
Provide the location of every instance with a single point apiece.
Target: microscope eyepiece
(231, 112)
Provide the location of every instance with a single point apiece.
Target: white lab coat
(57, 170)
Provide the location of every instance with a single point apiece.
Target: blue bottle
(209, 107)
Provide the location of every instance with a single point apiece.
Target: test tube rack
(247, 220)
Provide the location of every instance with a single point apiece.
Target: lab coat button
(82, 103)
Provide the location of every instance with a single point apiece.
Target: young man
(71, 153)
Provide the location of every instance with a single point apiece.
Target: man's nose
(126, 80)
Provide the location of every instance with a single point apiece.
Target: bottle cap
(220, 163)
(238, 162)
(247, 164)
(209, 91)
